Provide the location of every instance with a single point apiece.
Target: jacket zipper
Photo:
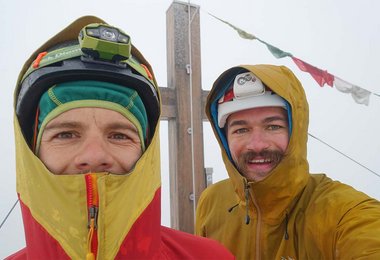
(258, 229)
(258, 225)
(92, 208)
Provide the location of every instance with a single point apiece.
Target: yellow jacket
(292, 214)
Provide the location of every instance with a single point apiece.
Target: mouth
(260, 161)
(259, 165)
(256, 166)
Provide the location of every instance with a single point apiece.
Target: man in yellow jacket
(271, 207)
(87, 109)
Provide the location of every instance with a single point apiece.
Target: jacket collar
(59, 204)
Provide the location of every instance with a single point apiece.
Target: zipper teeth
(258, 225)
(95, 199)
(92, 205)
(89, 190)
(258, 228)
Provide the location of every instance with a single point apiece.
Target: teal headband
(65, 96)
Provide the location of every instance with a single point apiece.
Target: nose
(93, 156)
(257, 141)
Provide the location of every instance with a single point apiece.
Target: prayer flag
(321, 76)
(276, 52)
(243, 34)
(360, 95)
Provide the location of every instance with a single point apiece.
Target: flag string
(322, 77)
(345, 155)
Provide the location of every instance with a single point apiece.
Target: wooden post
(186, 162)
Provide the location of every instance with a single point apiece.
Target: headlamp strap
(47, 58)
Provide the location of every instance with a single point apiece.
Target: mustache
(275, 156)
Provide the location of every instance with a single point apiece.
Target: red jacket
(98, 215)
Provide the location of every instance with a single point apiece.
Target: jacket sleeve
(358, 232)
(19, 255)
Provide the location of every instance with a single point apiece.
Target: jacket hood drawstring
(286, 226)
(232, 208)
(246, 192)
(248, 219)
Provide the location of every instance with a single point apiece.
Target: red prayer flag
(321, 76)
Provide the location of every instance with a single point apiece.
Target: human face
(86, 140)
(257, 139)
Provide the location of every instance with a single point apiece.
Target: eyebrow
(122, 126)
(67, 124)
(76, 125)
(266, 120)
(237, 122)
(274, 118)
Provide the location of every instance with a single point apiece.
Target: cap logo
(246, 85)
(243, 79)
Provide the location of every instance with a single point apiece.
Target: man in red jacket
(87, 143)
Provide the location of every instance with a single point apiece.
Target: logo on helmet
(245, 78)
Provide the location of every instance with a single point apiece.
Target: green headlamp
(104, 53)
(101, 41)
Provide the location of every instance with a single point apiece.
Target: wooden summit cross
(184, 75)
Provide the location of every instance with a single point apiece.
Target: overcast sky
(341, 36)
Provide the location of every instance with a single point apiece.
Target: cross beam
(185, 130)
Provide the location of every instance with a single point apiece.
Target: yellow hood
(58, 203)
(274, 193)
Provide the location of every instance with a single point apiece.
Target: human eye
(119, 136)
(274, 127)
(241, 130)
(122, 137)
(65, 135)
